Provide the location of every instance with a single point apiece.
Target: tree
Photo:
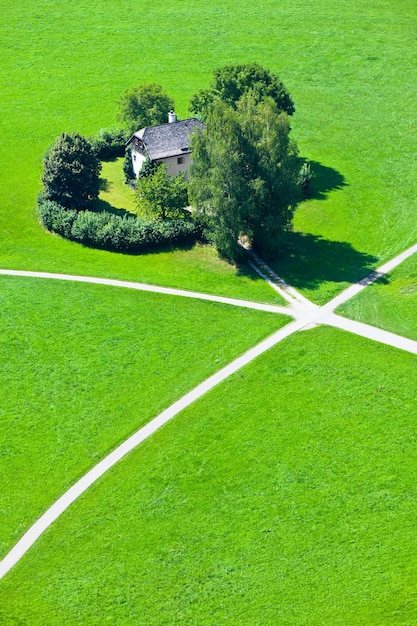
(160, 196)
(231, 82)
(244, 176)
(218, 181)
(71, 172)
(146, 105)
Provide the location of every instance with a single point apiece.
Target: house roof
(167, 140)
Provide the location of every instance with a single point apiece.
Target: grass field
(287, 495)
(83, 366)
(350, 68)
(390, 303)
(286, 502)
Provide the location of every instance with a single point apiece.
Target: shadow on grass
(310, 260)
(105, 185)
(325, 179)
(100, 206)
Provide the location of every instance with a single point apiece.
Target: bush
(109, 144)
(113, 232)
(304, 179)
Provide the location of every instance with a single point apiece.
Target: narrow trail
(306, 314)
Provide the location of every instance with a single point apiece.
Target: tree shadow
(105, 184)
(309, 260)
(325, 179)
(100, 205)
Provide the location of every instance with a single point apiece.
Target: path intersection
(306, 315)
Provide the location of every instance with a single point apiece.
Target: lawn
(115, 196)
(350, 68)
(285, 496)
(390, 303)
(83, 366)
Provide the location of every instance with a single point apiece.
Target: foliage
(244, 176)
(160, 196)
(114, 232)
(146, 105)
(148, 167)
(71, 172)
(109, 144)
(129, 173)
(231, 82)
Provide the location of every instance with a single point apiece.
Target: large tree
(146, 105)
(231, 82)
(71, 175)
(244, 176)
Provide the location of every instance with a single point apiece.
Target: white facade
(138, 160)
(175, 164)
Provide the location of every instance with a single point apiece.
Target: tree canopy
(231, 82)
(160, 196)
(146, 105)
(244, 177)
(71, 172)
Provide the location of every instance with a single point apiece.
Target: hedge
(114, 232)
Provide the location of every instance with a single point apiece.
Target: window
(180, 160)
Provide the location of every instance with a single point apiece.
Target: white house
(167, 143)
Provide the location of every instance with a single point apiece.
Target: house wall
(173, 167)
(137, 160)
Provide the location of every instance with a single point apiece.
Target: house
(167, 143)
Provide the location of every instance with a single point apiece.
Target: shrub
(304, 179)
(115, 232)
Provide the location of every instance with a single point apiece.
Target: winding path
(305, 314)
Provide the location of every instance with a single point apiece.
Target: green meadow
(84, 366)
(287, 494)
(390, 303)
(254, 506)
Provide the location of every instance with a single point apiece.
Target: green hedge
(113, 232)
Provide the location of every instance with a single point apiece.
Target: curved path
(150, 288)
(305, 317)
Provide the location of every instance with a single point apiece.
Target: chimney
(172, 117)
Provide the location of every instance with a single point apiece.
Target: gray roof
(168, 139)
